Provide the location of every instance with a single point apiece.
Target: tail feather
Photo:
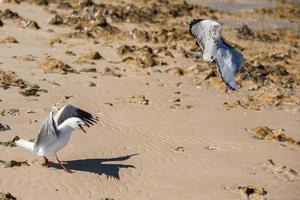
(25, 144)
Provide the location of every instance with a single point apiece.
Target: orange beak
(82, 128)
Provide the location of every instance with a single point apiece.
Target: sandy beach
(168, 127)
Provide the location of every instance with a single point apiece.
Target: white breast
(61, 142)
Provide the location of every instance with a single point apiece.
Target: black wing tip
(193, 22)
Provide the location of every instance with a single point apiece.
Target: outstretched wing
(69, 111)
(229, 61)
(197, 32)
(48, 133)
(207, 34)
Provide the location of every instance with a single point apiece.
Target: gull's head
(76, 123)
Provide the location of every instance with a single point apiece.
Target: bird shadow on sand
(97, 166)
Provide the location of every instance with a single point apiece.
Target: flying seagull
(207, 34)
(56, 130)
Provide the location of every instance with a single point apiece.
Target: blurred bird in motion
(207, 34)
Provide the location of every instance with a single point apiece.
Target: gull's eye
(211, 57)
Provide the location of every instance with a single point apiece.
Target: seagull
(56, 130)
(207, 34)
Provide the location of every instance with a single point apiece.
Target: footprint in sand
(281, 171)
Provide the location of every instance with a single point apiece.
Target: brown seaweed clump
(8, 79)
(263, 75)
(11, 112)
(7, 196)
(253, 192)
(280, 135)
(267, 99)
(8, 39)
(246, 33)
(88, 57)
(143, 57)
(250, 104)
(10, 143)
(112, 71)
(53, 65)
(8, 14)
(31, 90)
(140, 99)
(283, 10)
(13, 163)
(166, 35)
(4, 127)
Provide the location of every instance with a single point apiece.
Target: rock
(30, 24)
(4, 127)
(55, 20)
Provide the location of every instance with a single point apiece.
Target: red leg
(46, 162)
(66, 169)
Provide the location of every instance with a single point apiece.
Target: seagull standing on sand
(56, 130)
(207, 34)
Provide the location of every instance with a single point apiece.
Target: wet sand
(168, 128)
